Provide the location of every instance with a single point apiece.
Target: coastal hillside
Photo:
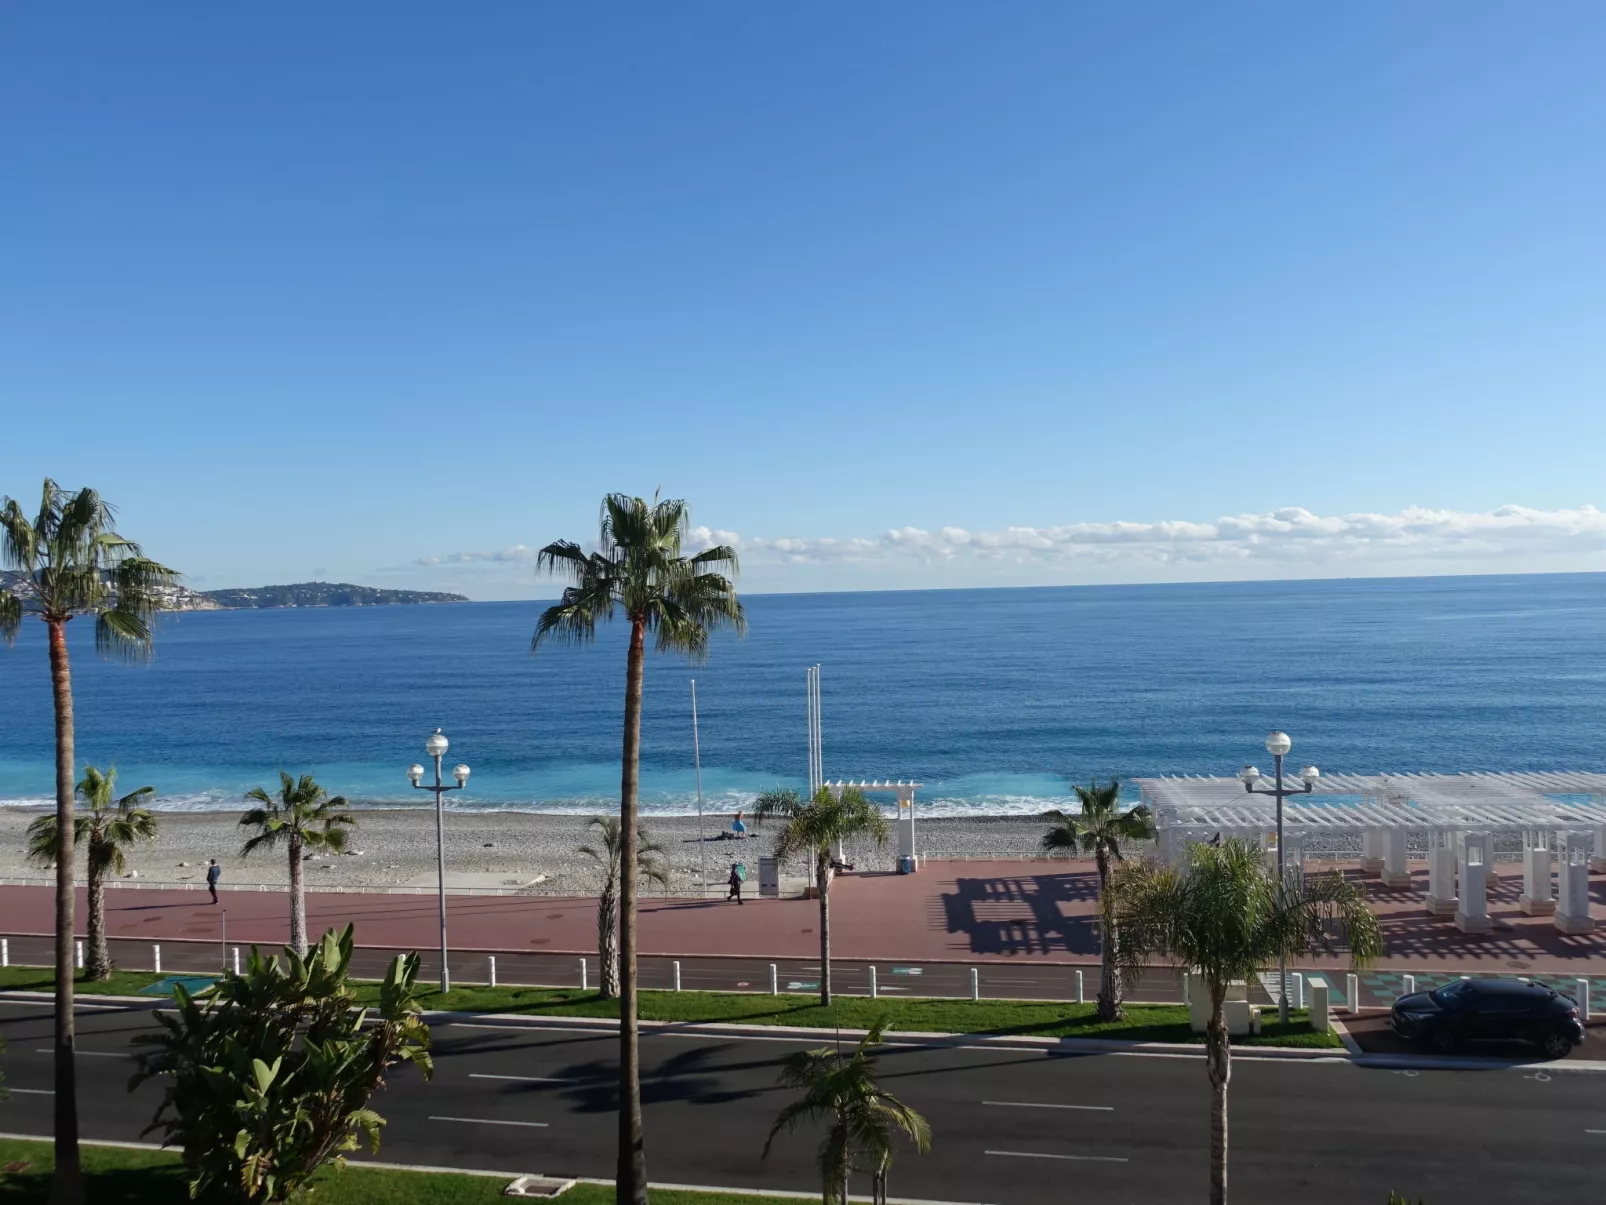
(324, 594)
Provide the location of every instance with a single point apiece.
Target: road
(1009, 1126)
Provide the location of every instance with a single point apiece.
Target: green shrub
(270, 1074)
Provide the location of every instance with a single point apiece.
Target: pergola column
(1572, 882)
(1372, 850)
(1441, 872)
(1536, 899)
(1597, 861)
(1294, 861)
(908, 860)
(1396, 858)
(1472, 913)
(1268, 847)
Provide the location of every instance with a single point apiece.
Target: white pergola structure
(908, 860)
(1458, 813)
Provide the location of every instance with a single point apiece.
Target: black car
(1490, 1010)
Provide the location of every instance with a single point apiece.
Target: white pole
(78, 954)
(582, 974)
(676, 965)
(1081, 997)
(1407, 984)
(872, 983)
(1583, 1000)
(1299, 989)
(975, 984)
(1353, 984)
(156, 958)
(5, 952)
(493, 970)
(775, 981)
(697, 765)
(819, 731)
(236, 953)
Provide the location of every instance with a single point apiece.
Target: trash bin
(906, 864)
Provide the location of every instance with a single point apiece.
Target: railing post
(1298, 988)
(676, 966)
(583, 975)
(5, 952)
(156, 958)
(1407, 985)
(1352, 984)
(775, 981)
(78, 954)
(872, 983)
(492, 961)
(235, 956)
(1081, 993)
(975, 984)
(1583, 1000)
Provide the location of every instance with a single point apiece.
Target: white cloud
(1288, 542)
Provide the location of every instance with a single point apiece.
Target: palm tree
(638, 568)
(607, 859)
(1098, 829)
(72, 563)
(1226, 917)
(107, 829)
(302, 817)
(813, 830)
(864, 1118)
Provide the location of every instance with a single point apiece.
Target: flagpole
(697, 762)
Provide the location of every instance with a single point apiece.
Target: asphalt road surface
(1008, 1126)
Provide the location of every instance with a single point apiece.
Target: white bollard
(872, 983)
(5, 952)
(1186, 978)
(975, 984)
(1319, 1020)
(1352, 984)
(1583, 1000)
(1081, 995)
(1299, 989)
(676, 965)
(235, 956)
(1407, 985)
(78, 954)
(775, 981)
(492, 960)
(156, 958)
(582, 974)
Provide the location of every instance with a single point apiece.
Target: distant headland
(309, 594)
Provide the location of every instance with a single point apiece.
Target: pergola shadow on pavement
(1022, 914)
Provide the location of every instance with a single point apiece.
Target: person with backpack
(735, 883)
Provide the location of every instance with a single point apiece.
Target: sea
(995, 700)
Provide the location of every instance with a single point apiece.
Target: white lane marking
(1075, 1158)
(1586, 1131)
(1032, 981)
(31, 1091)
(1032, 1104)
(525, 1079)
(492, 1121)
(94, 1054)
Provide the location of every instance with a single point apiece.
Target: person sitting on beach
(738, 827)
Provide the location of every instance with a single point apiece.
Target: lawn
(1048, 1019)
(123, 1177)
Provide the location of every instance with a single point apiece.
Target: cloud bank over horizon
(1288, 542)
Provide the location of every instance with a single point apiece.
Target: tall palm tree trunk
(298, 901)
(67, 1187)
(822, 881)
(1219, 1064)
(100, 957)
(1109, 981)
(608, 940)
(632, 1172)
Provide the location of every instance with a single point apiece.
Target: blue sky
(898, 294)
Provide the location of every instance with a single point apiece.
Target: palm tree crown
(74, 563)
(1101, 825)
(109, 827)
(303, 811)
(610, 836)
(812, 829)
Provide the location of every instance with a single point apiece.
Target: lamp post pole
(436, 747)
(1278, 744)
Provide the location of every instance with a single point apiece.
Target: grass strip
(998, 1018)
(115, 1176)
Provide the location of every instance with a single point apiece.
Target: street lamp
(1278, 744)
(436, 747)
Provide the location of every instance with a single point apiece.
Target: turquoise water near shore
(995, 699)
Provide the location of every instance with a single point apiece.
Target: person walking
(214, 872)
(735, 883)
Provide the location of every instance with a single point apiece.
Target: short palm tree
(107, 829)
(72, 564)
(1098, 829)
(648, 867)
(864, 1119)
(813, 830)
(302, 817)
(1226, 917)
(638, 568)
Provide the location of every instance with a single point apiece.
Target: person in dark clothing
(214, 872)
(735, 886)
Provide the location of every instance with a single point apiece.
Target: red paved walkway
(966, 911)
